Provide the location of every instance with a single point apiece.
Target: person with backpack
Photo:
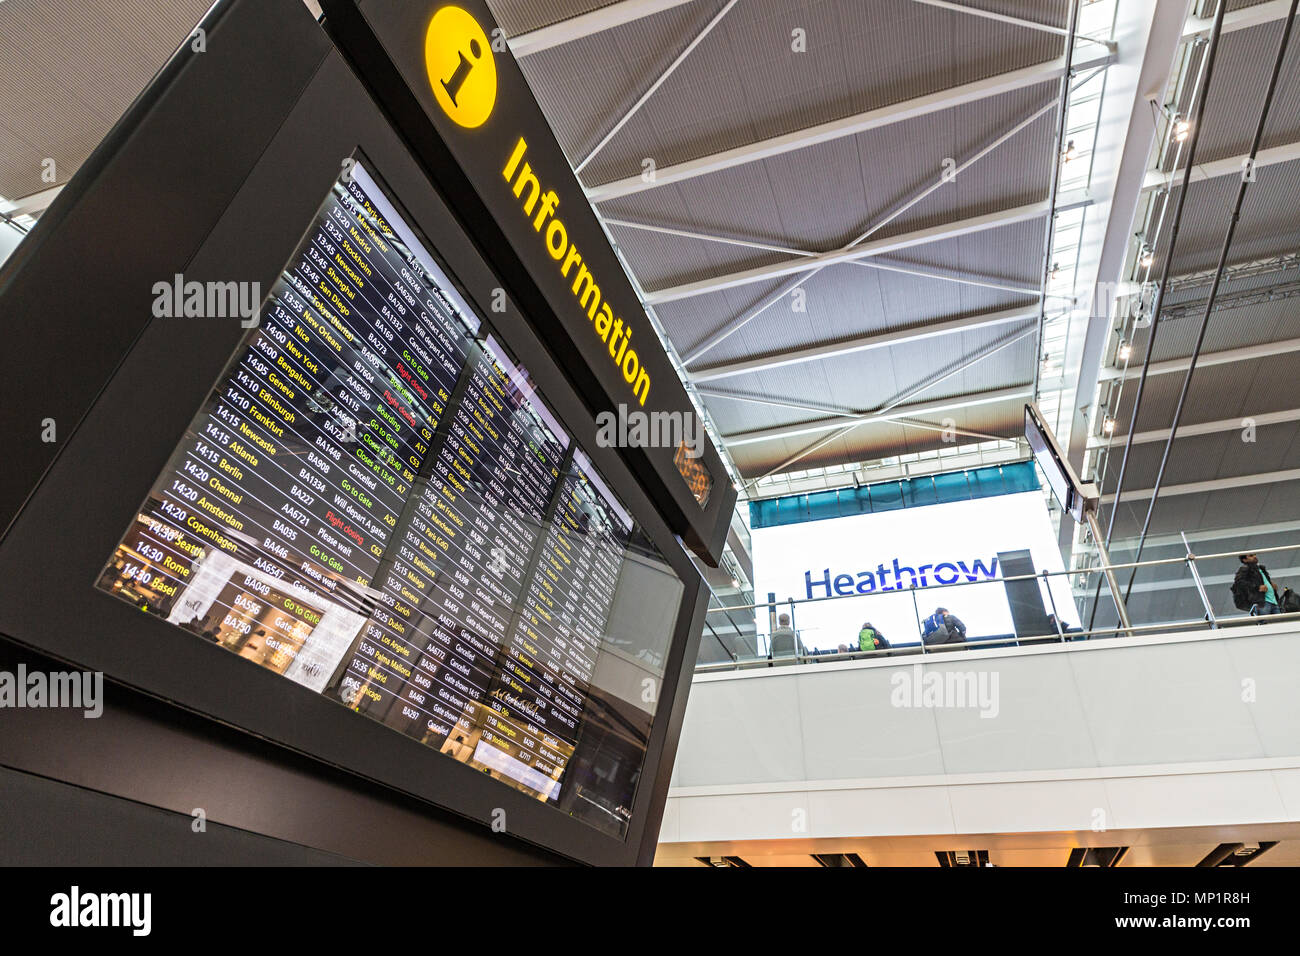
(1253, 590)
(943, 628)
(870, 639)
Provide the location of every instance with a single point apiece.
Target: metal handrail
(918, 649)
(1210, 620)
(1017, 577)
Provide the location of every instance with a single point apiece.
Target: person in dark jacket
(943, 628)
(1252, 588)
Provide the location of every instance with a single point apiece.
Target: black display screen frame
(105, 467)
(1059, 477)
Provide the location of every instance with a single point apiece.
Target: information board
(376, 503)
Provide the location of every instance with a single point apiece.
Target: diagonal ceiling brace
(902, 397)
(662, 78)
(849, 248)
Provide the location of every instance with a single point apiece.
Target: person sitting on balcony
(870, 639)
(1252, 588)
(784, 641)
(1065, 628)
(943, 628)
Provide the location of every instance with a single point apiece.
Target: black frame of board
(250, 206)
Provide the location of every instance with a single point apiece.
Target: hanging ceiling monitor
(1074, 496)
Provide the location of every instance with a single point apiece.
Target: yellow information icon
(461, 69)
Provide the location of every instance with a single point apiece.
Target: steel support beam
(658, 82)
(847, 414)
(1237, 19)
(1233, 536)
(848, 126)
(945, 275)
(862, 343)
(32, 205)
(888, 409)
(1217, 484)
(587, 25)
(1247, 353)
(1230, 166)
(1235, 272)
(999, 17)
(876, 247)
(706, 236)
(1204, 428)
(801, 404)
(915, 410)
(1149, 42)
(951, 275)
(731, 326)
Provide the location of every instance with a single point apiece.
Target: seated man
(785, 643)
(943, 628)
(1064, 627)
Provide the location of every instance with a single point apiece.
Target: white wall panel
(1288, 789)
(1268, 671)
(744, 732)
(761, 816)
(849, 729)
(1036, 727)
(1191, 799)
(1031, 805)
(1130, 733)
(886, 811)
(1166, 703)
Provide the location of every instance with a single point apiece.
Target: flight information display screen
(376, 503)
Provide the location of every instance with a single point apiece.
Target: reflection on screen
(375, 503)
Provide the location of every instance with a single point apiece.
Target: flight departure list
(375, 503)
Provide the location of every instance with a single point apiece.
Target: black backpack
(1289, 602)
(1244, 596)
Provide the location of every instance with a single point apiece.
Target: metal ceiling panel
(1230, 390)
(585, 86)
(1199, 458)
(1269, 222)
(847, 301)
(1254, 324)
(1241, 74)
(823, 197)
(689, 322)
(863, 381)
(1224, 508)
(71, 69)
(745, 82)
(878, 440)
